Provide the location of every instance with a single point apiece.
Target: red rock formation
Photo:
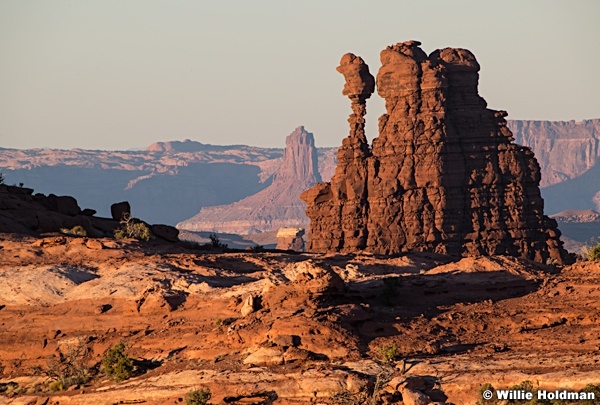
(442, 176)
(278, 205)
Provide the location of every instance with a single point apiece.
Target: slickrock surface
(269, 328)
(442, 176)
(276, 206)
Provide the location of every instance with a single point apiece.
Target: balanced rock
(442, 176)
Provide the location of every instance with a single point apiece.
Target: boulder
(290, 239)
(66, 205)
(166, 232)
(119, 210)
(248, 306)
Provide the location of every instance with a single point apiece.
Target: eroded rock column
(442, 176)
(339, 207)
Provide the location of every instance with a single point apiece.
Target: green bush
(198, 396)
(116, 364)
(594, 253)
(132, 229)
(388, 353)
(482, 389)
(595, 388)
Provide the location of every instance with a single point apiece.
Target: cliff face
(442, 176)
(564, 149)
(276, 206)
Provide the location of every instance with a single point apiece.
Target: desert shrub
(482, 389)
(594, 252)
(131, 229)
(595, 388)
(77, 230)
(69, 367)
(2, 179)
(258, 248)
(197, 396)
(526, 386)
(388, 353)
(216, 242)
(116, 364)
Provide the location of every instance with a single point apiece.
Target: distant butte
(274, 207)
(442, 176)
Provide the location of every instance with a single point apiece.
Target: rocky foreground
(275, 328)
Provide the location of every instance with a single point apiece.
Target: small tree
(216, 242)
(116, 364)
(70, 367)
(132, 229)
(1, 178)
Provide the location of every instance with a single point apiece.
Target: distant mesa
(178, 146)
(442, 176)
(274, 207)
(577, 216)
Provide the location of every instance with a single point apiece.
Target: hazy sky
(123, 74)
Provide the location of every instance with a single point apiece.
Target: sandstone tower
(442, 176)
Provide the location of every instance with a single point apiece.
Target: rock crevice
(442, 176)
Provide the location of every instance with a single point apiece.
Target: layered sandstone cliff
(276, 206)
(564, 149)
(442, 176)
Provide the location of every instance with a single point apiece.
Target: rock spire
(442, 176)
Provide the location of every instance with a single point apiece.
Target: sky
(118, 75)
